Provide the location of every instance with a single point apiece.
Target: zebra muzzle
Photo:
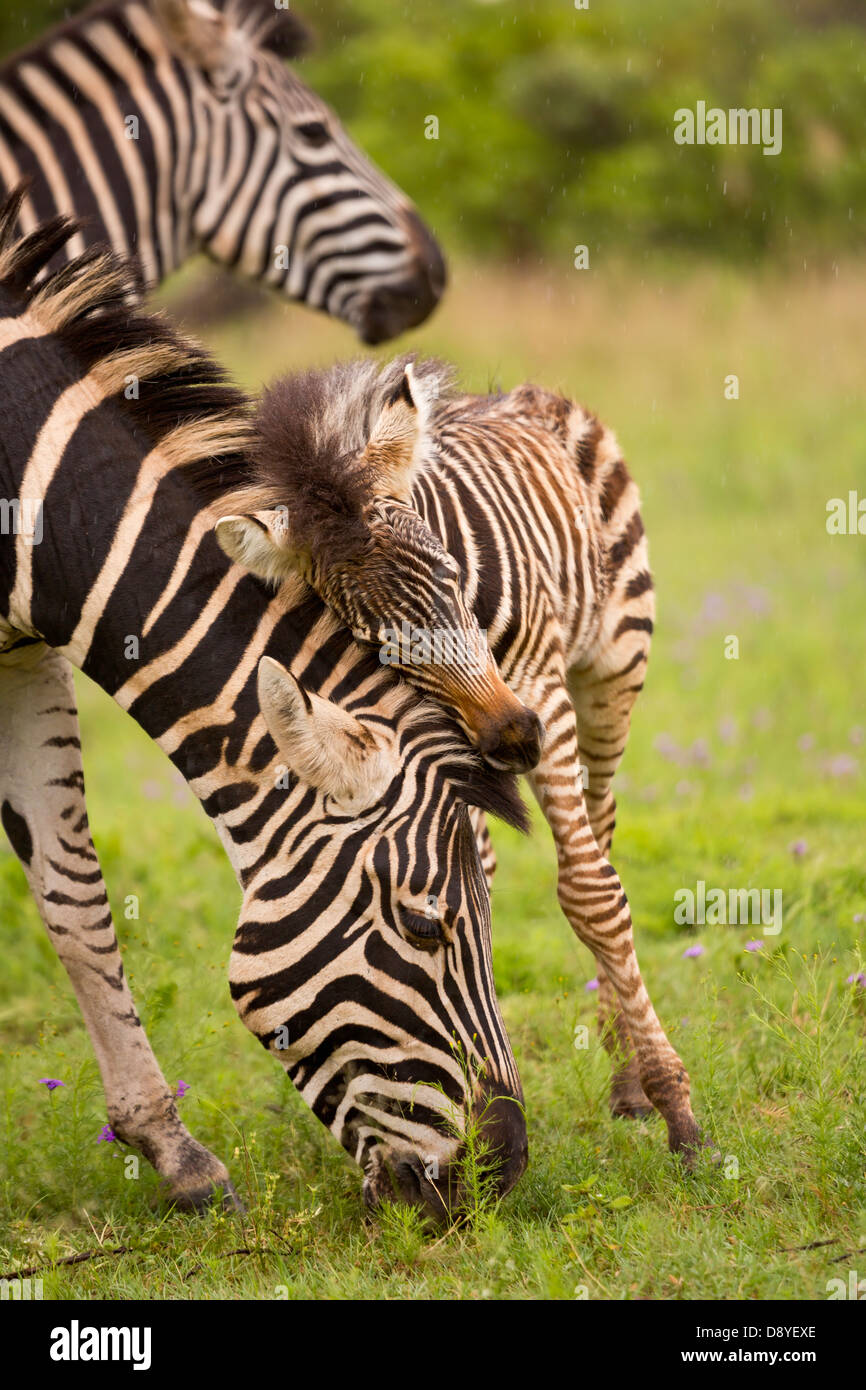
(507, 734)
(500, 1138)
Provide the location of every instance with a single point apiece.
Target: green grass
(753, 755)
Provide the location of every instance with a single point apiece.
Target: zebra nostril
(514, 746)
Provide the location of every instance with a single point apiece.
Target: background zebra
(173, 126)
(522, 504)
(362, 955)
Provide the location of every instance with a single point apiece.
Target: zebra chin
(404, 1176)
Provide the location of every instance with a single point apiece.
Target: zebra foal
(173, 126)
(512, 516)
(361, 959)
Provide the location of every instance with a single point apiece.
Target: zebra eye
(314, 132)
(421, 931)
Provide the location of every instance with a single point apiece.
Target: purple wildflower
(860, 916)
(841, 766)
(182, 1088)
(106, 1135)
(691, 951)
(51, 1083)
(668, 748)
(699, 753)
(713, 610)
(798, 848)
(590, 986)
(858, 979)
(754, 945)
(758, 601)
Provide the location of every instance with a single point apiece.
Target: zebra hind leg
(44, 814)
(592, 898)
(603, 691)
(602, 732)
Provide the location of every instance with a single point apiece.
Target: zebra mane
(311, 429)
(280, 31)
(184, 404)
(488, 789)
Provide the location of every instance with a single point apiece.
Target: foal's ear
(260, 542)
(393, 449)
(322, 743)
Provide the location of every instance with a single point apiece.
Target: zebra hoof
(630, 1103)
(623, 1111)
(220, 1195)
(689, 1143)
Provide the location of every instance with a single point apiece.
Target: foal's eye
(444, 569)
(420, 930)
(314, 132)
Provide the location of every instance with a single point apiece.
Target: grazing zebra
(516, 515)
(173, 126)
(362, 954)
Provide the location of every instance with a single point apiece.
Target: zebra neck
(182, 658)
(105, 121)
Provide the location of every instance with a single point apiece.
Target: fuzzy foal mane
(311, 430)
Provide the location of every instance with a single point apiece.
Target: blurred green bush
(555, 124)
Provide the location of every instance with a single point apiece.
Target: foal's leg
(44, 814)
(603, 692)
(593, 900)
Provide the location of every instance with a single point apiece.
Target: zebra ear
(260, 542)
(196, 29)
(322, 743)
(393, 449)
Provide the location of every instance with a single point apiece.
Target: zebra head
(365, 968)
(330, 499)
(285, 196)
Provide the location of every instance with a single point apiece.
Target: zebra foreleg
(592, 898)
(45, 817)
